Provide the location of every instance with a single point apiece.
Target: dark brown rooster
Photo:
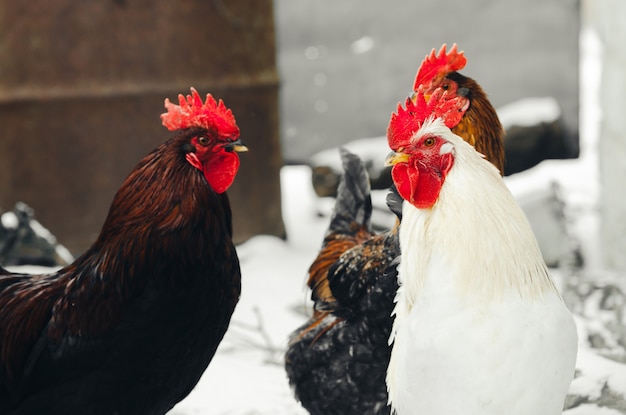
(132, 324)
(337, 361)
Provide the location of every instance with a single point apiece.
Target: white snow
(9, 220)
(592, 409)
(596, 373)
(529, 111)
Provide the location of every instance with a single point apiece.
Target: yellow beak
(237, 146)
(395, 158)
(239, 149)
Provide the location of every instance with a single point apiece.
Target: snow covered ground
(247, 377)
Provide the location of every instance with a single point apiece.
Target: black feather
(337, 362)
(353, 204)
(394, 201)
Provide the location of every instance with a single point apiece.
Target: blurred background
(344, 66)
(82, 86)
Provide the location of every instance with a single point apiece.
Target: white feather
(480, 327)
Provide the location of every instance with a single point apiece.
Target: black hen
(337, 361)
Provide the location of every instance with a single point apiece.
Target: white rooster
(480, 327)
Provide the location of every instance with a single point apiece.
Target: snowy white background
(247, 376)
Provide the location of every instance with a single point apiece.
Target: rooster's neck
(477, 230)
(164, 213)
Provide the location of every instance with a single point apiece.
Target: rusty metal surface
(82, 86)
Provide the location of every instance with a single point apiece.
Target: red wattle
(418, 185)
(402, 180)
(221, 170)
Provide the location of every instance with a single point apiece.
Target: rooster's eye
(429, 141)
(204, 141)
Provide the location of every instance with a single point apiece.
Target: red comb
(192, 112)
(407, 121)
(437, 65)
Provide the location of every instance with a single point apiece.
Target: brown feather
(480, 125)
(333, 247)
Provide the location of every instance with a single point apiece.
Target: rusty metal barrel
(82, 86)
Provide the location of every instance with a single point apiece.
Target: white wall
(608, 17)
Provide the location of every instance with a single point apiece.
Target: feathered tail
(349, 224)
(353, 206)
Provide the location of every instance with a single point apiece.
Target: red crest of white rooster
(480, 327)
